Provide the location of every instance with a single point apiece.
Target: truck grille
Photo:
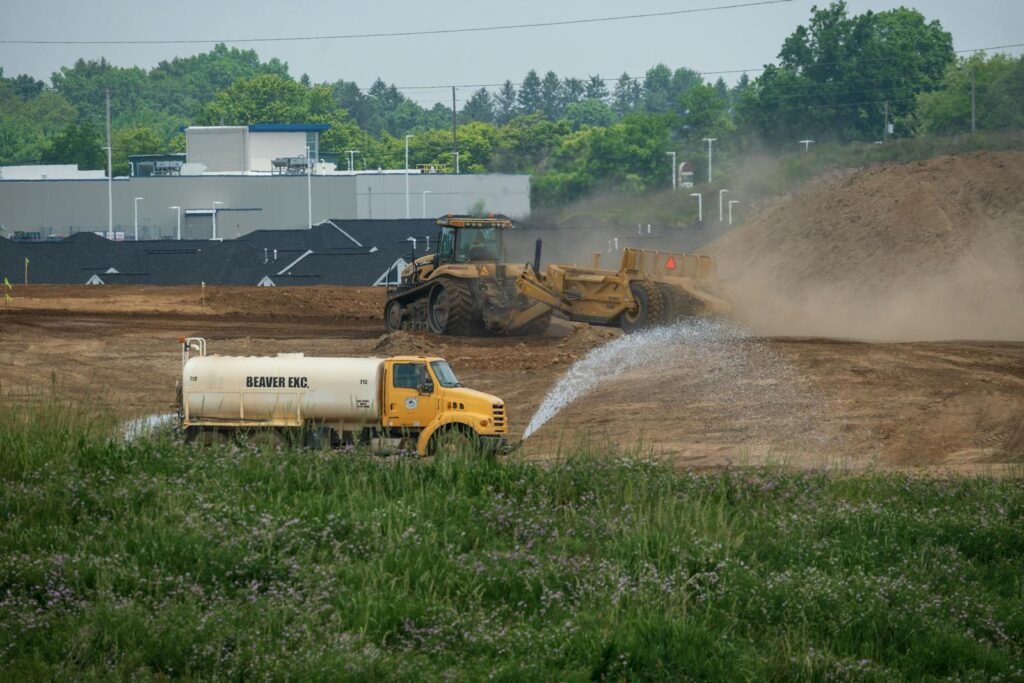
(499, 416)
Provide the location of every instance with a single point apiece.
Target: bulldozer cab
(466, 239)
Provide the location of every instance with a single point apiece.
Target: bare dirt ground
(716, 395)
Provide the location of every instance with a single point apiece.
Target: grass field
(155, 559)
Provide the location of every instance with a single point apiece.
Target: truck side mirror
(426, 388)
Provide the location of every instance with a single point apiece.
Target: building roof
(335, 252)
(288, 127)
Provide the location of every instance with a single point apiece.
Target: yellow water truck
(400, 403)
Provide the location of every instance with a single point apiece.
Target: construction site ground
(879, 323)
(725, 399)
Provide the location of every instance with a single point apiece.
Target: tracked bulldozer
(467, 288)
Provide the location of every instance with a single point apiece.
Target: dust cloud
(925, 251)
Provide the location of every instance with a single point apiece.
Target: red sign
(671, 263)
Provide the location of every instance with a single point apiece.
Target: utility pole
(675, 182)
(455, 137)
(974, 119)
(407, 174)
(885, 131)
(807, 144)
(110, 176)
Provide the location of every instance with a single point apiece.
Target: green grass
(153, 559)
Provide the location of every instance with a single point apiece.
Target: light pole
(137, 200)
(407, 174)
(352, 158)
(709, 141)
(731, 202)
(179, 219)
(309, 188)
(425, 193)
(806, 144)
(110, 189)
(720, 194)
(675, 183)
(215, 220)
(456, 155)
(700, 206)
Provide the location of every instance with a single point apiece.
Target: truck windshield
(478, 244)
(443, 373)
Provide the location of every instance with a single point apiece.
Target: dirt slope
(929, 250)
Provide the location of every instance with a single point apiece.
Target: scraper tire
(450, 308)
(649, 309)
(678, 304)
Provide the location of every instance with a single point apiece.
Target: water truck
(467, 288)
(400, 403)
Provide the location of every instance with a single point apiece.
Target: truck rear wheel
(648, 307)
(450, 308)
(393, 315)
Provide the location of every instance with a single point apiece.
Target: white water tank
(287, 387)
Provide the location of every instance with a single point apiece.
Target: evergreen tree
(479, 107)
(626, 95)
(572, 91)
(529, 97)
(551, 96)
(596, 89)
(505, 103)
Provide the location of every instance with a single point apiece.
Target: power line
(701, 73)
(403, 34)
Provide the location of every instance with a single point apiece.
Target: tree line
(840, 77)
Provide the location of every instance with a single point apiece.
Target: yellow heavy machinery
(466, 287)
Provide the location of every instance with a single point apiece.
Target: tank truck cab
(424, 403)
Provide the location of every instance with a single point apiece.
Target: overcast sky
(724, 40)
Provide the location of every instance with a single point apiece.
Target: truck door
(410, 395)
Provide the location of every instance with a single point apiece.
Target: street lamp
(456, 155)
(137, 200)
(425, 193)
(674, 181)
(215, 220)
(352, 158)
(709, 141)
(407, 174)
(700, 206)
(720, 216)
(309, 187)
(806, 144)
(731, 202)
(179, 219)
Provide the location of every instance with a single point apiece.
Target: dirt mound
(924, 251)
(327, 302)
(401, 343)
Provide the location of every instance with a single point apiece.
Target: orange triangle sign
(671, 263)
